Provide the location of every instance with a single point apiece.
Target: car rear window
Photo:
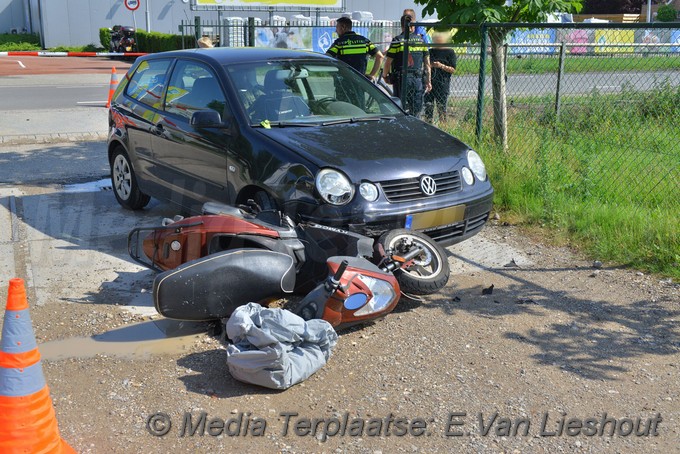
(148, 82)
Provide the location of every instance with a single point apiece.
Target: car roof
(226, 55)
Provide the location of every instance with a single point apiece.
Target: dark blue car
(295, 131)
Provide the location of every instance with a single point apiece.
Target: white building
(77, 22)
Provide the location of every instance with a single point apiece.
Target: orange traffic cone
(112, 86)
(27, 420)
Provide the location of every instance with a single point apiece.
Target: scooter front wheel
(428, 272)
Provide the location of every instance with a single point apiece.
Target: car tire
(124, 182)
(265, 202)
(429, 273)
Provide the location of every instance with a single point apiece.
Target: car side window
(192, 87)
(147, 83)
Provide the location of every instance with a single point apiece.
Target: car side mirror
(206, 119)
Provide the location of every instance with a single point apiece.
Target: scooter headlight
(383, 295)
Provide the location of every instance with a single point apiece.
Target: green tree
(484, 11)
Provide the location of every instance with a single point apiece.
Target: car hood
(375, 150)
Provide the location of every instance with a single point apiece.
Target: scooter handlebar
(338, 274)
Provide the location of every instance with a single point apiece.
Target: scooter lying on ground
(231, 256)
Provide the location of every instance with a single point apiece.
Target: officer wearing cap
(354, 49)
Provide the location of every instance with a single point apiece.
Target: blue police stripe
(17, 333)
(24, 382)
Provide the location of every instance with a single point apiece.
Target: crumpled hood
(375, 150)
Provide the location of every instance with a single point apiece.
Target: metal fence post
(560, 74)
(181, 30)
(482, 80)
(251, 32)
(197, 27)
(404, 64)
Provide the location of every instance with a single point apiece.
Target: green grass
(605, 178)
(528, 64)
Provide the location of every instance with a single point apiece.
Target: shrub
(20, 38)
(105, 38)
(666, 13)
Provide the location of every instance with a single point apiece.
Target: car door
(143, 103)
(192, 160)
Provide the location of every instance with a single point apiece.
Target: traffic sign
(132, 4)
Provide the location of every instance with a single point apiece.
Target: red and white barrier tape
(70, 54)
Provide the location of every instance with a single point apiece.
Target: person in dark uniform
(354, 49)
(418, 80)
(443, 61)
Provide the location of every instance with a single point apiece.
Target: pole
(649, 11)
(404, 66)
(482, 80)
(560, 75)
(148, 17)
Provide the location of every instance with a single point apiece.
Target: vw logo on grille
(428, 185)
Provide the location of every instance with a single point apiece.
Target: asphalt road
(53, 92)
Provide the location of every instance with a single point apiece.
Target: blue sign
(535, 39)
(675, 40)
(323, 37)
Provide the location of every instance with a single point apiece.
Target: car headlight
(476, 165)
(334, 187)
(467, 176)
(368, 191)
(383, 295)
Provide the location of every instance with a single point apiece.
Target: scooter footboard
(212, 287)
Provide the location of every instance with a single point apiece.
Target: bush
(151, 42)
(162, 42)
(666, 13)
(19, 38)
(105, 38)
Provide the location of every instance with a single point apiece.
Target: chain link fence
(602, 102)
(591, 116)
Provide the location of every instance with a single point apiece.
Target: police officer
(354, 49)
(418, 80)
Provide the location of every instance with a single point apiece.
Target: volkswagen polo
(290, 130)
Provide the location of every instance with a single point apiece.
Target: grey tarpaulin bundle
(275, 348)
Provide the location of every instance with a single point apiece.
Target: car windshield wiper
(281, 124)
(355, 120)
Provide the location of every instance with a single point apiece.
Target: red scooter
(229, 256)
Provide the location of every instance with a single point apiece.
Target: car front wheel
(124, 182)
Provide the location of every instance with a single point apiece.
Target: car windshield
(318, 93)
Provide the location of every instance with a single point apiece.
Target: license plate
(438, 218)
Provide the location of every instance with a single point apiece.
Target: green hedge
(151, 42)
(16, 42)
(30, 38)
(105, 38)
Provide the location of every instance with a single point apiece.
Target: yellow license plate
(438, 218)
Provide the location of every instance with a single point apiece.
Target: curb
(64, 137)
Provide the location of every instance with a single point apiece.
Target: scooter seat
(213, 287)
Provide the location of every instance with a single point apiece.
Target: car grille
(408, 189)
(462, 228)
